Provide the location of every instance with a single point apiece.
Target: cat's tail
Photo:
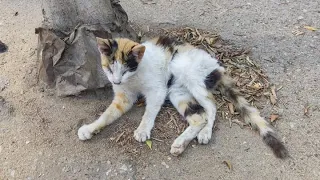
(252, 116)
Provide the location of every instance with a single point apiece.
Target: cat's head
(120, 58)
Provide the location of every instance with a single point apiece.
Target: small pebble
(27, 142)
(108, 172)
(163, 163)
(108, 162)
(123, 169)
(300, 17)
(12, 173)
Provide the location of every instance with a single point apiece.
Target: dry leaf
(310, 28)
(297, 32)
(273, 95)
(149, 143)
(148, 2)
(228, 163)
(273, 100)
(306, 110)
(273, 91)
(231, 108)
(240, 123)
(274, 117)
(257, 86)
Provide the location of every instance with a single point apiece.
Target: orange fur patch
(119, 107)
(124, 46)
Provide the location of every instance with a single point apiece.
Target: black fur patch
(232, 94)
(212, 79)
(193, 108)
(170, 82)
(174, 54)
(131, 62)
(276, 145)
(168, 42)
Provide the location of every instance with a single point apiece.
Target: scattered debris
(164, 163)
(240, 123)
(231, 108)
(3, 47)
(307, 110)
(148, 1)
(274, 117)
(228, 163)
(297, 32)
(310, 28)
(273, 95)
(149, 143)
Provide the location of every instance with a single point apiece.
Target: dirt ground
(38, 130)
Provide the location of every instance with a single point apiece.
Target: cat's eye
(110, 70)
(124, 72)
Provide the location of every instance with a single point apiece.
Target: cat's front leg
(154, 102)
(121, 103)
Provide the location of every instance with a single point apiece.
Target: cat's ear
(138, 51)
(104, 46)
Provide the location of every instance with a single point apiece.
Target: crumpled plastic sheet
(71, 63)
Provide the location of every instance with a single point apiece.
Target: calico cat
(164, 67)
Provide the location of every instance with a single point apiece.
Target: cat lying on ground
(164, 67)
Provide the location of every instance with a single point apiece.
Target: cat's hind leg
(194, 113)
(121, 103)
(206, 100)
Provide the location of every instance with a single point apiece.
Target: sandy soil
(38, 130)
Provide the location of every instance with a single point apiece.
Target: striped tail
(252, 116)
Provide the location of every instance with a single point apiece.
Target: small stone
(300, 17)
(12, 173)
(108, 172)
(98, 169)
(76, 170)
(292, 125)
(65, 169)
(27, 142)
(108, 162)
(164, 163)
(123, 169)
(143, 178)
(169, 158)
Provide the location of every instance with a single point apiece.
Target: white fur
(189, 69)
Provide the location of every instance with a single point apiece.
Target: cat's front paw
(204, 135)
(178, 146)
(141, 135)
(84, 132)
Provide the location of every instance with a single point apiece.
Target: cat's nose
(116, 82)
